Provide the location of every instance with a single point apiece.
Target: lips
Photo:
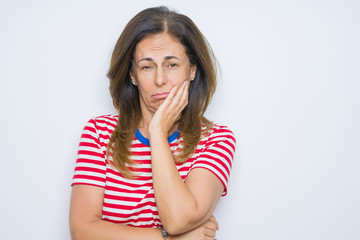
(162, 95)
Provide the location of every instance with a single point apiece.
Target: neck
(144, 126)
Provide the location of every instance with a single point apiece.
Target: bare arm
(182, 206)
(86, 223)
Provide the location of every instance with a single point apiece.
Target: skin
(162, 72)
(160, 65)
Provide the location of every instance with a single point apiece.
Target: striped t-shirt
(131, 201)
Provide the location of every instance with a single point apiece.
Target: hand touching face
(160, 64)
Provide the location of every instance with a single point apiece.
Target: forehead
(159, 45)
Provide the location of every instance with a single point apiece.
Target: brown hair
(126, 96)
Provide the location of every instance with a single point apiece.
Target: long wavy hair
(125, 95)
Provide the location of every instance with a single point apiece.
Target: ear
(133, 78)
(193, 71)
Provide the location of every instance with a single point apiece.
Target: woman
(158, 168)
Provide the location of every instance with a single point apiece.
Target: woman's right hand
(207, 231)
(170, 110)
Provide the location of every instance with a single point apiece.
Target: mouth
(162, 95)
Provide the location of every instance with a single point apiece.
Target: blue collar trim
(146, 141)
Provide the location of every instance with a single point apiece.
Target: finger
(213, 220)
(209, 233)
(176, 102)
(185, 94)
(173, 92)
(180, 92)
(183, 101)
(182, 96)
(169, 99)
(179, 101)
(210, 226)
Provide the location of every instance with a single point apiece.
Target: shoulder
(100, 127)
(110, 119)
(103, 122)
(219, 133)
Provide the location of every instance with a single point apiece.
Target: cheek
(178, 77)
(144, 76)
(144, 82)
(145, 89)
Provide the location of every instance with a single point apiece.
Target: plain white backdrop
(289, 89)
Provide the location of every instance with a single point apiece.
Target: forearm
(178, 209)
(86, 223)
(103, 230)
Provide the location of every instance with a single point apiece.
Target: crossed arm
(185, 208)
(189, 215)
(182, 206)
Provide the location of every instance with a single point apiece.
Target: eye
(145, 68)
(172, 65)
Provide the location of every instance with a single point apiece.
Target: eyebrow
(150, 59)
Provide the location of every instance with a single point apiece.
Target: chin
(159, 102)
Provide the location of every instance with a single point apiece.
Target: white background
(289, 89)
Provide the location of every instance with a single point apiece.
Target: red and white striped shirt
(131, 201)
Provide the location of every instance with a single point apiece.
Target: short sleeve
(90, 167)
(218, 154)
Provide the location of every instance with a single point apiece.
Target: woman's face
(160, 63)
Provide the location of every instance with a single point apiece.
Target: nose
(161, 77)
